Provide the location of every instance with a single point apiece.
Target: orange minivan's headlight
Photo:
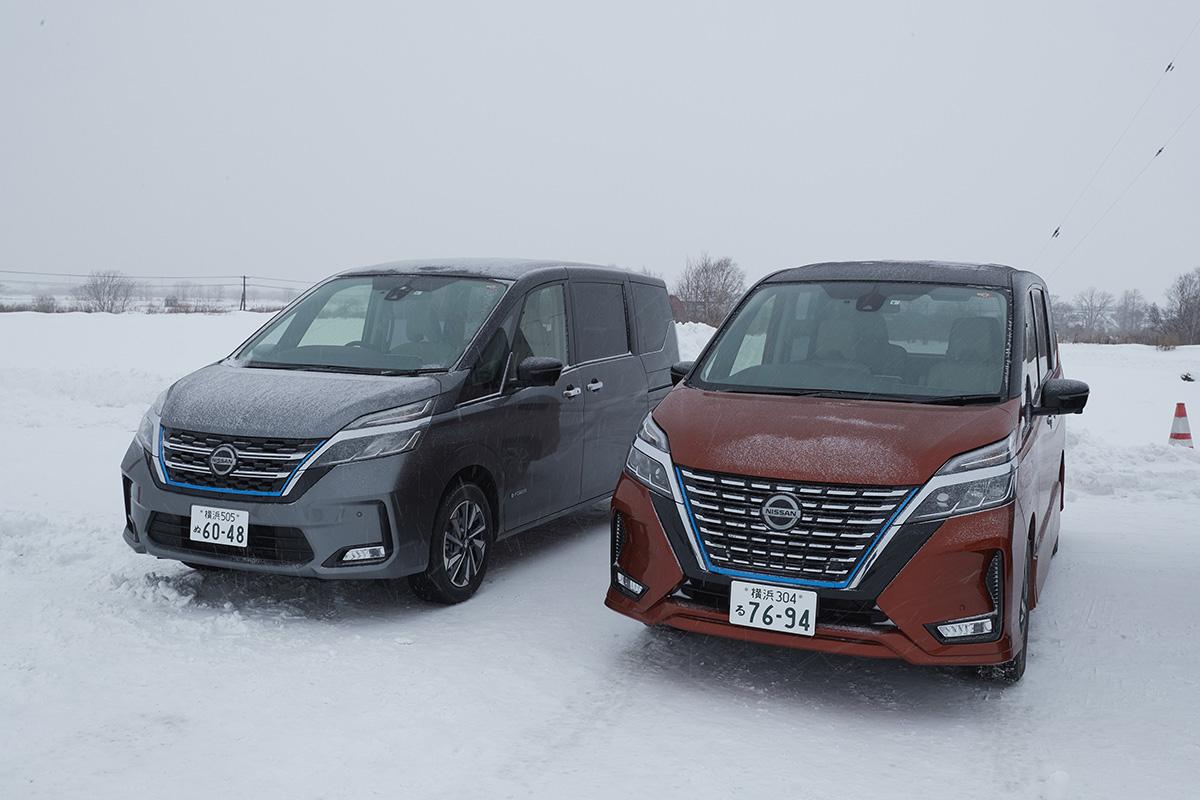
(649, 459)
(974, 481)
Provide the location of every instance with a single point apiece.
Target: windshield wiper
(960, 399)
(342, 369)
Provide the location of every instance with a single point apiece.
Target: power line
(167, 278)
(1120, 138)
(1128, 186)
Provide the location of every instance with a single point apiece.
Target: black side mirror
(1062, 396)
(679, 371)
(539, 371)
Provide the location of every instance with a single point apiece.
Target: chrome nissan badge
(781, 512)
(223, 460)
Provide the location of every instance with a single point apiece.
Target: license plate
(773, 608)
(225, 526)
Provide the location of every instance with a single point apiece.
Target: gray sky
(296, 139)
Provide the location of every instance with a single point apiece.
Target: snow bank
(692, 338)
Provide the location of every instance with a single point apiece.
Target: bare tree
(1129, 313)
(1181, 315)
(710, 287)
(1094, 308)
(105, 290)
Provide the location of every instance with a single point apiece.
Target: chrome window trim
(595, 361)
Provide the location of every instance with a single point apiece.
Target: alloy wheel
(464, 543)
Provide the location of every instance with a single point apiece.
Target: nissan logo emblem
(223, 460)
(781, 512)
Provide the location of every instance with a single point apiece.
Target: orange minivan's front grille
(804, 532)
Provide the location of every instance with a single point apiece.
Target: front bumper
(930, 573)
(352, 505)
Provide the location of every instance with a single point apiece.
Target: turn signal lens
(365, 553)
(972, 627)
(629, 584)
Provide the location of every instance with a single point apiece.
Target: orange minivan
(867, 458)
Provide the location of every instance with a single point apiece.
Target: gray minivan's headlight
(652, 471)
(974, 481)
(147, 432)
(383, 433)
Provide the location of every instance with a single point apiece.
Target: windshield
(917, 342)
(386, 324)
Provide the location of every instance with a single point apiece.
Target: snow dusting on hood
(289, 404)
(824, 440)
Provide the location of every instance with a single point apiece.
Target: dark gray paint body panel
(285, 403)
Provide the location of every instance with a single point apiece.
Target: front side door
(613, 379)
(542, 436)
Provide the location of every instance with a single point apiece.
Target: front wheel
(459, 549)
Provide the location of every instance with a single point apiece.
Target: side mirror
(679, 371)
(539, 371)
(1062, 396)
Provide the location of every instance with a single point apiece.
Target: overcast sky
(297, 139)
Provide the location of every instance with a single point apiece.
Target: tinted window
(487, 376)
(543, 327)
(377, 323)
(341, 319)
(652, 310)
(1046, 335)
(1039, 325)
(877, 340)
(600, 320)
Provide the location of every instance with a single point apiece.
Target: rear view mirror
(680, 370)
(1062, 396)
(539, 371)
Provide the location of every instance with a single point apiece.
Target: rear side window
(652, 311)
(600, 320)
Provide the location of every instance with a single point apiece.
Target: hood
(290, 404)
(823, 440)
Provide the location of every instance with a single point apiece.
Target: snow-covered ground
(122, 676)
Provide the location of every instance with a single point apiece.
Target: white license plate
(773, 608)
(225, 526)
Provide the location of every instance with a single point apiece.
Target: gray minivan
(398, 420)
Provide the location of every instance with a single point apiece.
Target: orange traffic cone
(1181, 434)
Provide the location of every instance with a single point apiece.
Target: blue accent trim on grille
(251, 492)
(758, 576)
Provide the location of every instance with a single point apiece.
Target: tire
(459, 549)
(1012, 671)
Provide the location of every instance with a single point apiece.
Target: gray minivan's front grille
(820, 532)
(262, 466)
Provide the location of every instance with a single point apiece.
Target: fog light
(966, 627)
(365, 553)
(629, 584)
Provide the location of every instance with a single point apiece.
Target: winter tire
(459, 549)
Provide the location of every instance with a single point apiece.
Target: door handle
(572, 391)
(595, 385)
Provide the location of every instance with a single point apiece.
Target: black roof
(920, 271)
(505, 268)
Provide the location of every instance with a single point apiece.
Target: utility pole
(243, 305)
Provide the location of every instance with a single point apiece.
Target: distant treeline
(1095, 315)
